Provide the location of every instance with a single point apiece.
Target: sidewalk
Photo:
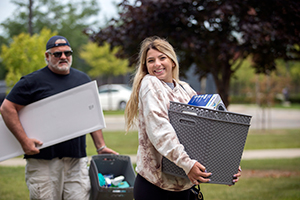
(247, 155)
(273, 118)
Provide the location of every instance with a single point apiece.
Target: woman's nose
(157, 63)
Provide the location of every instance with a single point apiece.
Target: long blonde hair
(161, 45)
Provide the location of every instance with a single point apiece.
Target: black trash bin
(111, 164)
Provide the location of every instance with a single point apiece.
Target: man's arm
(9, 112)
(100, 143)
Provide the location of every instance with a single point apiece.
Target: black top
(44, 83)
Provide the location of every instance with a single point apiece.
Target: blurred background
(247, 51)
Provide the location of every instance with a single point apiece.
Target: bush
(295, 98)
(239, 99)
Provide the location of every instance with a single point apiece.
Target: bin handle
(187, 122)
(108, 159)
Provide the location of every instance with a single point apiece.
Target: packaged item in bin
(123, 184)
(117, 180)
(211, 101)
(110, 176)
(101, 179)
(107, 182)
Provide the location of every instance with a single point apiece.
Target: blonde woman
(155, 84)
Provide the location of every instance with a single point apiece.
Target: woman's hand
(236, 176)
(198, 174)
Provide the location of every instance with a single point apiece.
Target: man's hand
(30, 146)
(107, 151)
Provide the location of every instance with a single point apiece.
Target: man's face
(62, 64)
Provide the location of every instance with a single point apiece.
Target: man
(59, 171)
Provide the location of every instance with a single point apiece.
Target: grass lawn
(258, 188)
(273, 139)
(116, 140)
(269, 179)
(256, 182)
(12, 183)
(274, 179)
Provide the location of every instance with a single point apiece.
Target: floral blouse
(157, 138)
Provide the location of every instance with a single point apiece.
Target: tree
(103, 61)
(24, 55)
(67, 18)
(216, 35)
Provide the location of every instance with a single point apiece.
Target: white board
(55, 119)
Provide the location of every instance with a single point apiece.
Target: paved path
(268, 119)
(247, 155)
(273, 118)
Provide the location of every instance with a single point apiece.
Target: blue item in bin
(123, 184)
(211, 101)
(110, 176)
(101, 179)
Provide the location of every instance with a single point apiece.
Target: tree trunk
(30, 18)
(222, 82)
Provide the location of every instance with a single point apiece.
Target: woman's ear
(173, 64)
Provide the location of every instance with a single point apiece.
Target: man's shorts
(65, 178)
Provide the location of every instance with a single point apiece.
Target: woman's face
(159, 65)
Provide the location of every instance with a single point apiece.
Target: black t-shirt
(44, 83)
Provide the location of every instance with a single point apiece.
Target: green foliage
(24, 55)
(250, 87)
(295, 99)
(245, 72)
(60, 16)
(240, 99)
(103, 61)
(66, 18)
(202, 33)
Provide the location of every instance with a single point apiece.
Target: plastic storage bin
(214, 138)
(111, 164)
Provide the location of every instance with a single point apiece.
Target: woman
(155, 84)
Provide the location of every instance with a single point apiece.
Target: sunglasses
(58, 54)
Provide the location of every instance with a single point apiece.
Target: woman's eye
(162, 58)
(150, 61)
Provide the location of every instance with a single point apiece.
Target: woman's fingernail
(234, 176)
(205, 171)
